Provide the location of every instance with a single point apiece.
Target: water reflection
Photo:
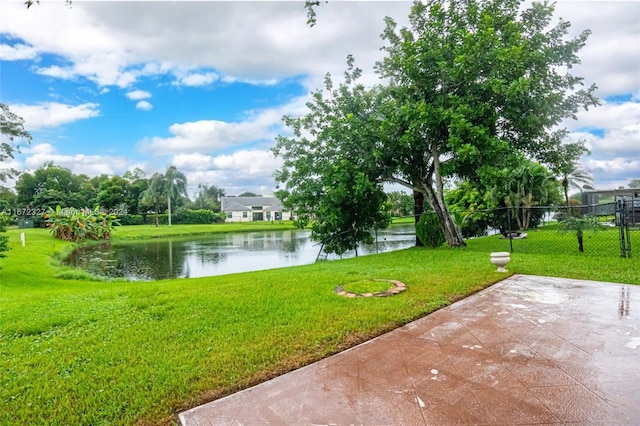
(218, 254)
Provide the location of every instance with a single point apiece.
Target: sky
(105, 87)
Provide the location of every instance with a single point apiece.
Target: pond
(218, 254)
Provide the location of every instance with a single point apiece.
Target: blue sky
(108, 86)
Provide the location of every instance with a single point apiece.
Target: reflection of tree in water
(94, 259)
(164, 260)
(625, 301)
(211, 254)
(152, 260)
(265, 241)
(290, 243)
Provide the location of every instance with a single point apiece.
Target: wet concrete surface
(528, 350)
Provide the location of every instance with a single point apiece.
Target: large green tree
(468, 84)
(50, 186)
(137, 185)
(472, 81)
(209, 197)
(329, 178)
(525, 187)
(348, 205)
(154, 195)
(575, 175)
(113, 192)
(401, 204)
(176, 186)
(11, 132)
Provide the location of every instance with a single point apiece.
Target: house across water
(252, 209)
(593, 203)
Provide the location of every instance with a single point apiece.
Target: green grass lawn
(97, 352)
(151, 231)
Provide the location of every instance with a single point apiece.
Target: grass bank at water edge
(90, 352)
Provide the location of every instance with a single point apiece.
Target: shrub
(579, 225)
(78, 224)
(134, 219)
(182, 216)
(574, 210)
(4, 240)
(429, 231)
(187, 216)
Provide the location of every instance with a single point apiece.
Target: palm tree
(528, 185)
(575, 175)
(152, 196)
(579, 225)
(176, 183)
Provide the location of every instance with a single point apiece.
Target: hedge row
(181, 216)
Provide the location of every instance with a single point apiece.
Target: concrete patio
(528, 350)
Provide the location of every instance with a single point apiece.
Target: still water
(218, 254)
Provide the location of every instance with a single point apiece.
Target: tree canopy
(51, 185)
(11, 130)
(468, 85)
(176, 186)
(329, 178)
(575, 175)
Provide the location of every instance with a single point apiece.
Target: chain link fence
(590, 230)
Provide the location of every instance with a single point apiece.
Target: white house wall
(238, 216)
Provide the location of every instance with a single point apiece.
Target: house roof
(240, 204)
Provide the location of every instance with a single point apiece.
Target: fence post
(623, 227)
(509, 226)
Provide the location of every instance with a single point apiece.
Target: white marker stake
(22, 238)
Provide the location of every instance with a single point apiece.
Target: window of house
(244, 215)
(229, 215)
(256, 207)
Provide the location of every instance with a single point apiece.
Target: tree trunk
(169, 205)
(436, 198)
(451, 232)
(526, 211)
(418, 209)
(157, 221)
(565, 187)
(580, 245)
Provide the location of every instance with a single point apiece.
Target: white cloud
(613, 173)
(17, 52)
(253, 163)
(607, 115)
(615, 146)
(256, 82)
(610, 59)
(52, 114)
(264, 43)
(57, 72)
(241, 171)
(114, 43)
(91, 165)
(136, 95)
(198, 79)
(617, 165)
(619, 124)
(144, 106)
(197, 161)
(210, 135)
(204, 135)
